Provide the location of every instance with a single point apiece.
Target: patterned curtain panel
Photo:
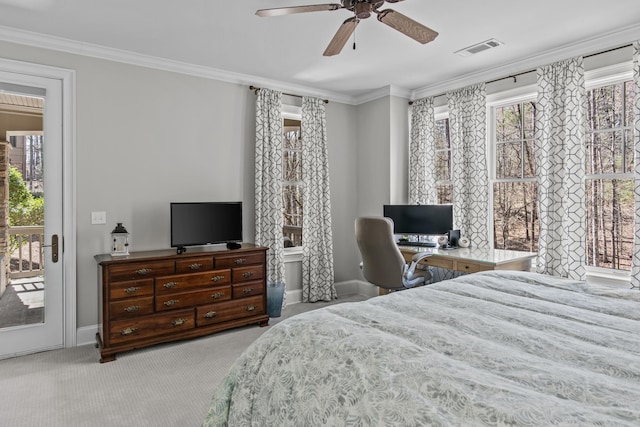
(469, 174)
(422, 154)
(560, 156)
(317, 241)
(635, 266)
(269, 144)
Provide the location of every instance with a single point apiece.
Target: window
(292, 183)
(609, 176)
(515, 191)
(444, 186)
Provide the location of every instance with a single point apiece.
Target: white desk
(471, 260)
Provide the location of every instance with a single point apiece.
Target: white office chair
(382, 262)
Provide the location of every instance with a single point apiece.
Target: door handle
(54, 248)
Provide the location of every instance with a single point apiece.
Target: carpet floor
(165, 385)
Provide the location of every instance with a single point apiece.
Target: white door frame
(68, 239)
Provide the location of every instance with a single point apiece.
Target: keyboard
(420, 244)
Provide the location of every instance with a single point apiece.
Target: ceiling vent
(479, 47)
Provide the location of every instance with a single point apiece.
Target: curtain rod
(514, 76)
(256, 89)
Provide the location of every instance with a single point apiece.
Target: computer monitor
(420, 219)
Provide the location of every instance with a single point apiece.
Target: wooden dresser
(153, 297)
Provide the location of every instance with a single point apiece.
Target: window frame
(594, 79)
(292, 112)
(523, 94)
(442, 113)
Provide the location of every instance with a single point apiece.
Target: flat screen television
(420, 219)
(203, 223)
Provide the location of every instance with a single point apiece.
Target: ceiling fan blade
(341, 37)
(298, 9)
(407, 26)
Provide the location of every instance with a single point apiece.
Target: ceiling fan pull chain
(354, 39)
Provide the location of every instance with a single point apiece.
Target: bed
(491, 348)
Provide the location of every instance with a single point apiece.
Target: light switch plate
(98, 217)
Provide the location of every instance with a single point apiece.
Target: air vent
(479, 47)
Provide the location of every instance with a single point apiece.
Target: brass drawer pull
(247, 290)
(132, 289)
(251, 308)
(171, 302)
(132, 308)
(195, 266)
(143, 271)
(247, 274)
(210, 315)
(128, 331)
(217, 295)
(170, 285)
(217, 278)
(179, 322)
(240, 261)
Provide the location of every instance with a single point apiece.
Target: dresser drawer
(230, 310)
(437, 262)
(178, 283)
(140, 270)
(194, 264)
(470, 267)
(130, 307)
(149, 326)
(239, 260)
(131, 288)
(244, 274)
(193, 298)
(248, 289)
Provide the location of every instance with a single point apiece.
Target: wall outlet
(98, 217)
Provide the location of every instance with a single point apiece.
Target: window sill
(293, 254)
(605, 276)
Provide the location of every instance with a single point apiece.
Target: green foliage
(24, 208)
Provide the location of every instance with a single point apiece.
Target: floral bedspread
(494, 348)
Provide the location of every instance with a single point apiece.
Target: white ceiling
(227, 38)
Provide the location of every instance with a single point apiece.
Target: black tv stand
(234, 245)
(181, 250)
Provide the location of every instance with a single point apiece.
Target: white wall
(147, 137)
(373, 164)
(399, 150)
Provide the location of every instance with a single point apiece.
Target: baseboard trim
(86, 335)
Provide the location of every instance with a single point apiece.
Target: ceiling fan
(362, 9)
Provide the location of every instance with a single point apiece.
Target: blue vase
(275, 294)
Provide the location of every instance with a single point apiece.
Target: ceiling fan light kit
(361, 9)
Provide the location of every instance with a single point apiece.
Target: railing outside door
(27, 241)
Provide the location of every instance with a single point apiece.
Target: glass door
(31, 272)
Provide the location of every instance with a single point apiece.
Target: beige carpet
(165, 385)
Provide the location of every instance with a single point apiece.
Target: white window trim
(293, 112)
(606, 76)
(513, 96)
(293, 254)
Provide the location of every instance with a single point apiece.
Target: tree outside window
(609, 180)
(515, 191)
(292, 183)
(444, 186)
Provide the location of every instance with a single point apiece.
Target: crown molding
(381, 93)
(60, 44)
(588, 46)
